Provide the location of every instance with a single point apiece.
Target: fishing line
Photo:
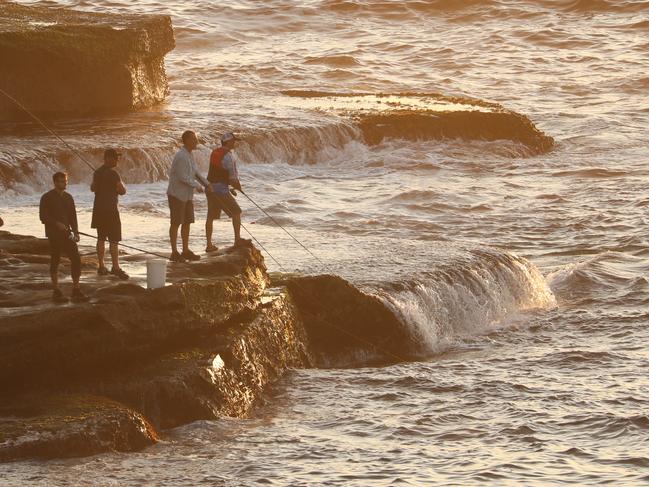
(249, 233)
(331, 325)
(127, 246)
(80, 156)
(167, 258)
(280, 226)
(263, 248)
(46, 128)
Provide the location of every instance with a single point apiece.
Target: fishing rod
(377, 347)
(280, 226)
(263, 248)
(42, 124)
(128, 246)
(47, 128)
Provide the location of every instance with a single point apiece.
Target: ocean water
(524, 276)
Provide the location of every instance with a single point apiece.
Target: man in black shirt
(107, 185)
(59, 215)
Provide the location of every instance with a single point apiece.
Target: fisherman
(107, 186)
(222, 174)
(59, 215)
(183, 179)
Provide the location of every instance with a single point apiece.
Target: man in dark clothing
(59, 215)
(107, 185)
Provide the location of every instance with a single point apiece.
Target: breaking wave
(469, 298)
(503, 132)
(421, 316)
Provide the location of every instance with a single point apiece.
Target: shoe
(211, 248)
(102, 271)
(176, 257)
(57, 296)
(78, 296)
(189, 255)
(119, 272)
(243, 242)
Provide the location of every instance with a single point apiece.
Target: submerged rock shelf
(419, 116)
(114, 373)
(62, 61)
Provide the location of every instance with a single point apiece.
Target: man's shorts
(213, 208)
(221, 201)
(182, 212)
(108, 225)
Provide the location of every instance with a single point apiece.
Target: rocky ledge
(114, 373)
(420, 116)
(61, 61)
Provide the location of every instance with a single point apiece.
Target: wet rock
(70, 425)
(224, 375)
(346, 326)
(100, 376)
(123, 323)
(22, 244)
(470, 125)
(61, 61)
(421, 116)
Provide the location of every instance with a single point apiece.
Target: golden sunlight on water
(380, 103)
(503, 223)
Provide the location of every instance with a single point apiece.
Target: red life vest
(217, 173)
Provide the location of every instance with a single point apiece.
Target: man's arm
(186, 173)
(121, 189)
(44, 211)
(202, 180)
(233, 174)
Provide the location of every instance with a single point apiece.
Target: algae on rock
(62, 61)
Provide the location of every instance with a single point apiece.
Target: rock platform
(59, 61)
(114, 373)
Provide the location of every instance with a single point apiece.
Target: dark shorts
(217, 202)
(213, 207)
(108, 225)
(61, 244)
(182, 212)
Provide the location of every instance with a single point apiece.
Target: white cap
(228, 136)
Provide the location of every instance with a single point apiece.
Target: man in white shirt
(183, 180)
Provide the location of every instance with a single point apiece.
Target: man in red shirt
(222, 174)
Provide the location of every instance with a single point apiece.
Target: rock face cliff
(114, 373)
(62, 61)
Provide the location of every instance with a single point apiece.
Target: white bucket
(156, 273)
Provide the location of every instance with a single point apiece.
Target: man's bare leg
(184, 235)
(236, 224)
(101, 250)
(209, 225)
(114, 254)
(173, 237)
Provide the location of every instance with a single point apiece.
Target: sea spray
(469, 298)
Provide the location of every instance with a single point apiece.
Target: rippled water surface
(524, 276)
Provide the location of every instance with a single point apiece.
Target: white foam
(470, 301)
